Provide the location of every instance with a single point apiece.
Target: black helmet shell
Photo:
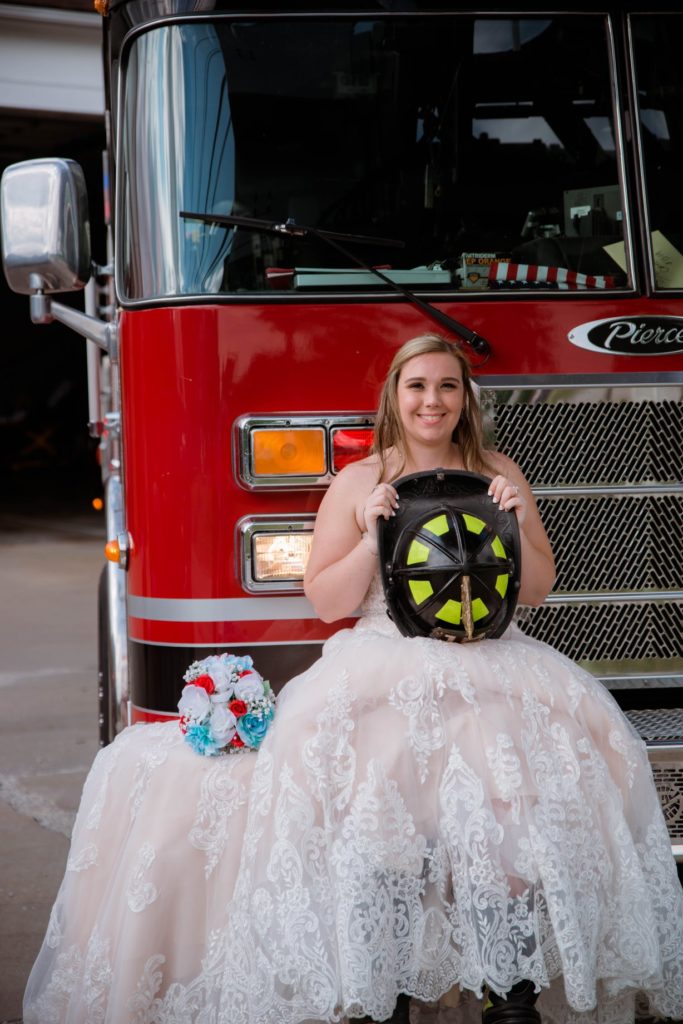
(450, 558)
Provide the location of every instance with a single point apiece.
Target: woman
(421, 817)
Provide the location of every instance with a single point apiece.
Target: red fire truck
(296, 190)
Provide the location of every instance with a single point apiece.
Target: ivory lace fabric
(421, 816)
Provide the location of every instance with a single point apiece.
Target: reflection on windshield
(441, 131)
(657, 45)
(182, 151)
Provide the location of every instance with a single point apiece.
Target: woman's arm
(511, 489)
(343, 558)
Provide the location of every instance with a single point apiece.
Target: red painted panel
(189, 372)
(145, 715)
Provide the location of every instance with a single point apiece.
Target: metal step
(659, 726)
(662, 730)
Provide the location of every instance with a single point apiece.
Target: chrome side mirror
(45, 227)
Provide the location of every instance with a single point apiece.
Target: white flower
(249, 686)
(220, 672)
(194, 704)
(222, 725)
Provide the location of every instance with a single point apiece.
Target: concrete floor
(49, 569)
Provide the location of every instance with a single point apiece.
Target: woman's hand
(381, 502)
(507, 495)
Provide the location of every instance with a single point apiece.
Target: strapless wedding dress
(421, 816)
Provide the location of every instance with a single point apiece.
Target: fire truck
(295, 190)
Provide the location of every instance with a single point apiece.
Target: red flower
(236, 741)
(183, 725)
(238, 708)
(205, 683)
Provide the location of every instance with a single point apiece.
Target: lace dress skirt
(420, 816)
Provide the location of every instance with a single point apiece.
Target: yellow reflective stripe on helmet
(421, 590)
(479, 609)
(437, 526)
(417, 553)
(473, 524)
(498, 548)
(450, 612)
(502, 584)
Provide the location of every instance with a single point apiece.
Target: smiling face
(430, 398)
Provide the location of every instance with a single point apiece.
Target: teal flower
(199, 738)
(252, 728)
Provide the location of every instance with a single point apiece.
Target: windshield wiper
(477, 343)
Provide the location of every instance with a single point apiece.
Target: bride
(476, 822)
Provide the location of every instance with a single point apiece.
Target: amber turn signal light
(112, 551)
(284, 452)
(117, 550)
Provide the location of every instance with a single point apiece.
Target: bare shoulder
(349, 489)
(358, 476)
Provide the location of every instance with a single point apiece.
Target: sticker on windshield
(631, 335)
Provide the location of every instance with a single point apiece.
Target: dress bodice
(374, 609)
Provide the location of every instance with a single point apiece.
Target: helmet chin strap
(466, 598)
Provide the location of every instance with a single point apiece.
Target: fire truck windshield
(488, 144)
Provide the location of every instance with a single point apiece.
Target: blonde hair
(389, 432)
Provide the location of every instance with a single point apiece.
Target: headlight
(280, 556)
(274, 551)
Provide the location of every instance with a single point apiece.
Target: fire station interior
(47, 459)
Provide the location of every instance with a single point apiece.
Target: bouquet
(226, 706)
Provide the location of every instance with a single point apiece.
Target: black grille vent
(608, 632)
(570, 444)
(616, 543)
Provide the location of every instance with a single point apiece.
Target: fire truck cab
(297, 190)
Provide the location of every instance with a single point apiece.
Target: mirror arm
(44, 311)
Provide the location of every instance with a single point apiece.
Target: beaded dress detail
(421, 815)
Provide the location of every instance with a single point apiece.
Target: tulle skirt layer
(422, 817)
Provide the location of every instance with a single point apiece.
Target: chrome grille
(599, 460)
(637, 631)
(616, 543)
(566, 443)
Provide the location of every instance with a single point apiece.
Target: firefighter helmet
(450, 558)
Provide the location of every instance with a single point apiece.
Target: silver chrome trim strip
(673, 677)
(227, 644)
(548, 382)
(664, 751)
(616, 597)
(599, 490)
(220, 609)
(117, 624)
(344, 297)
